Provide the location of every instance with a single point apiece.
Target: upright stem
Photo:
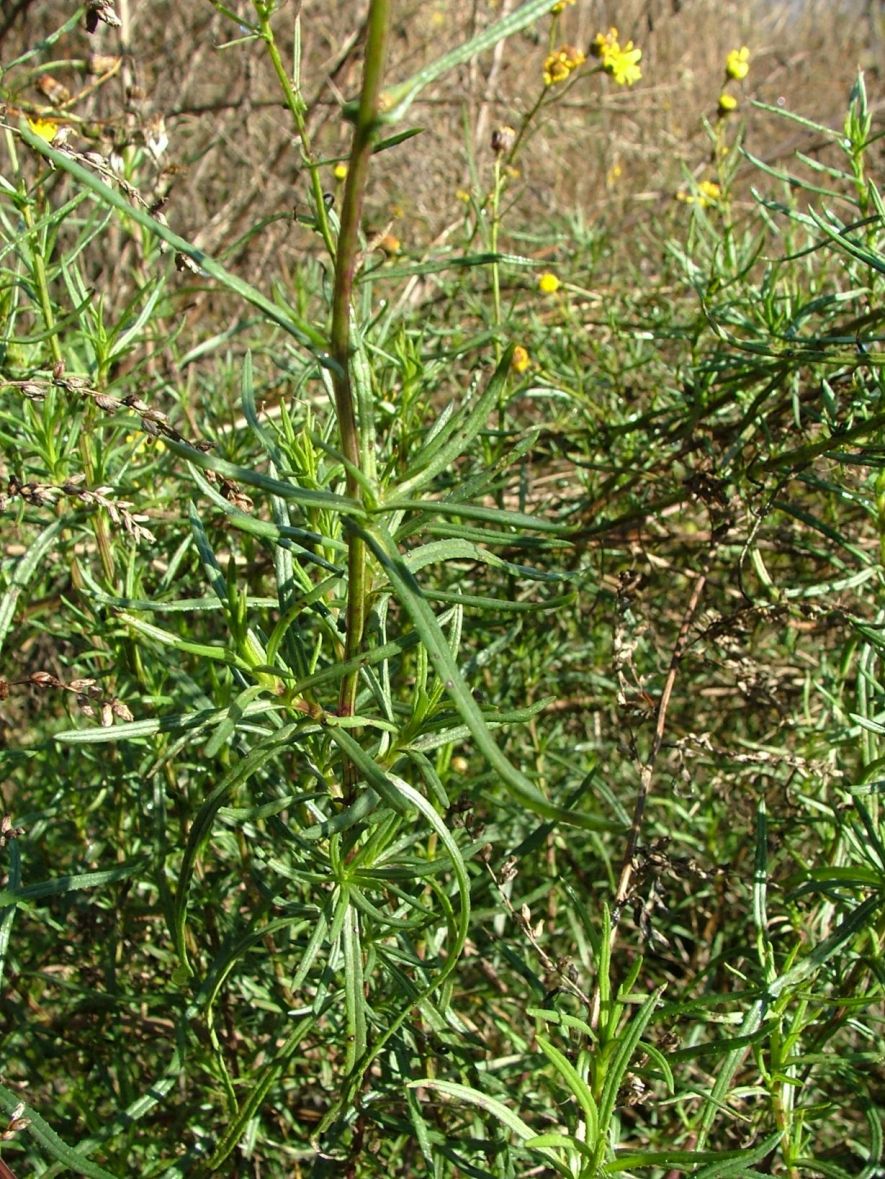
(295, 104)
(345, 266)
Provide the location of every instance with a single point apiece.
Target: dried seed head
(72, 384)
(120, 710)
(503, 139)
(102, 63)
(7, 832)
(100, 10)
(44, 679)
(183, 262)
(52, 90)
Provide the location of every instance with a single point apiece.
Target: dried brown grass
(613, 154)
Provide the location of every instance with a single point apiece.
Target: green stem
(38, 268)
(340, 342)
(493, 242)
(296, 107)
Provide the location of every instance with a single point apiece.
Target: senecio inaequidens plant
(450, 612)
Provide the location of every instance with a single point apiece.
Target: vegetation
(442, 728)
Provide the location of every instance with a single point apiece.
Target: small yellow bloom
(708, 193)
(624, 67)
(558, 65)
(389, 243)
(737, 64)
(548, 283)
(340, 171)
(604, 44)
(560, 6)
(44, 128)
(727, 104)
(521, 359)
(621, 62)
(462, 195)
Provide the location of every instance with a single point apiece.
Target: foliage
(441, 699)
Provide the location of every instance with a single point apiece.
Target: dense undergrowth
(442, 724)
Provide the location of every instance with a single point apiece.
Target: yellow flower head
(737, 64)
(389, 243)
(708, 193)
(727, 104)
(558, 65)
(520, 360)
(622, 62)
(560, 6)
(44, 128)
(340, 171)
(604, 44)
(548, 283)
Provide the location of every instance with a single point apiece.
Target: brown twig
(646, 773)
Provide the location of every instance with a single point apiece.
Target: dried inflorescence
(100, 11)
(40, 494)
(8, 832)
(90, 698)
(154, 423)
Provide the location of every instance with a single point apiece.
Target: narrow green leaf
(578, 1087)
(24, 571)
(65, 884)
(518, 785)
(306, 335)
(54, 1146)
(396, 100)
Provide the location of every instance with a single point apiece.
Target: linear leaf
(518, 785)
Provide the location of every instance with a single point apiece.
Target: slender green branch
(296, 107)
(345, 267)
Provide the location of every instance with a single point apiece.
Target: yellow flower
(389, 243)
(44, 128)
(708, 193)
(462, 195)
(604, 44)
(624, 66)
(737, 64)
(727, 104)
(548, 283)
(558, 65)
(340, 171)
(520, 360)
(621, 62)
(560, 6)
